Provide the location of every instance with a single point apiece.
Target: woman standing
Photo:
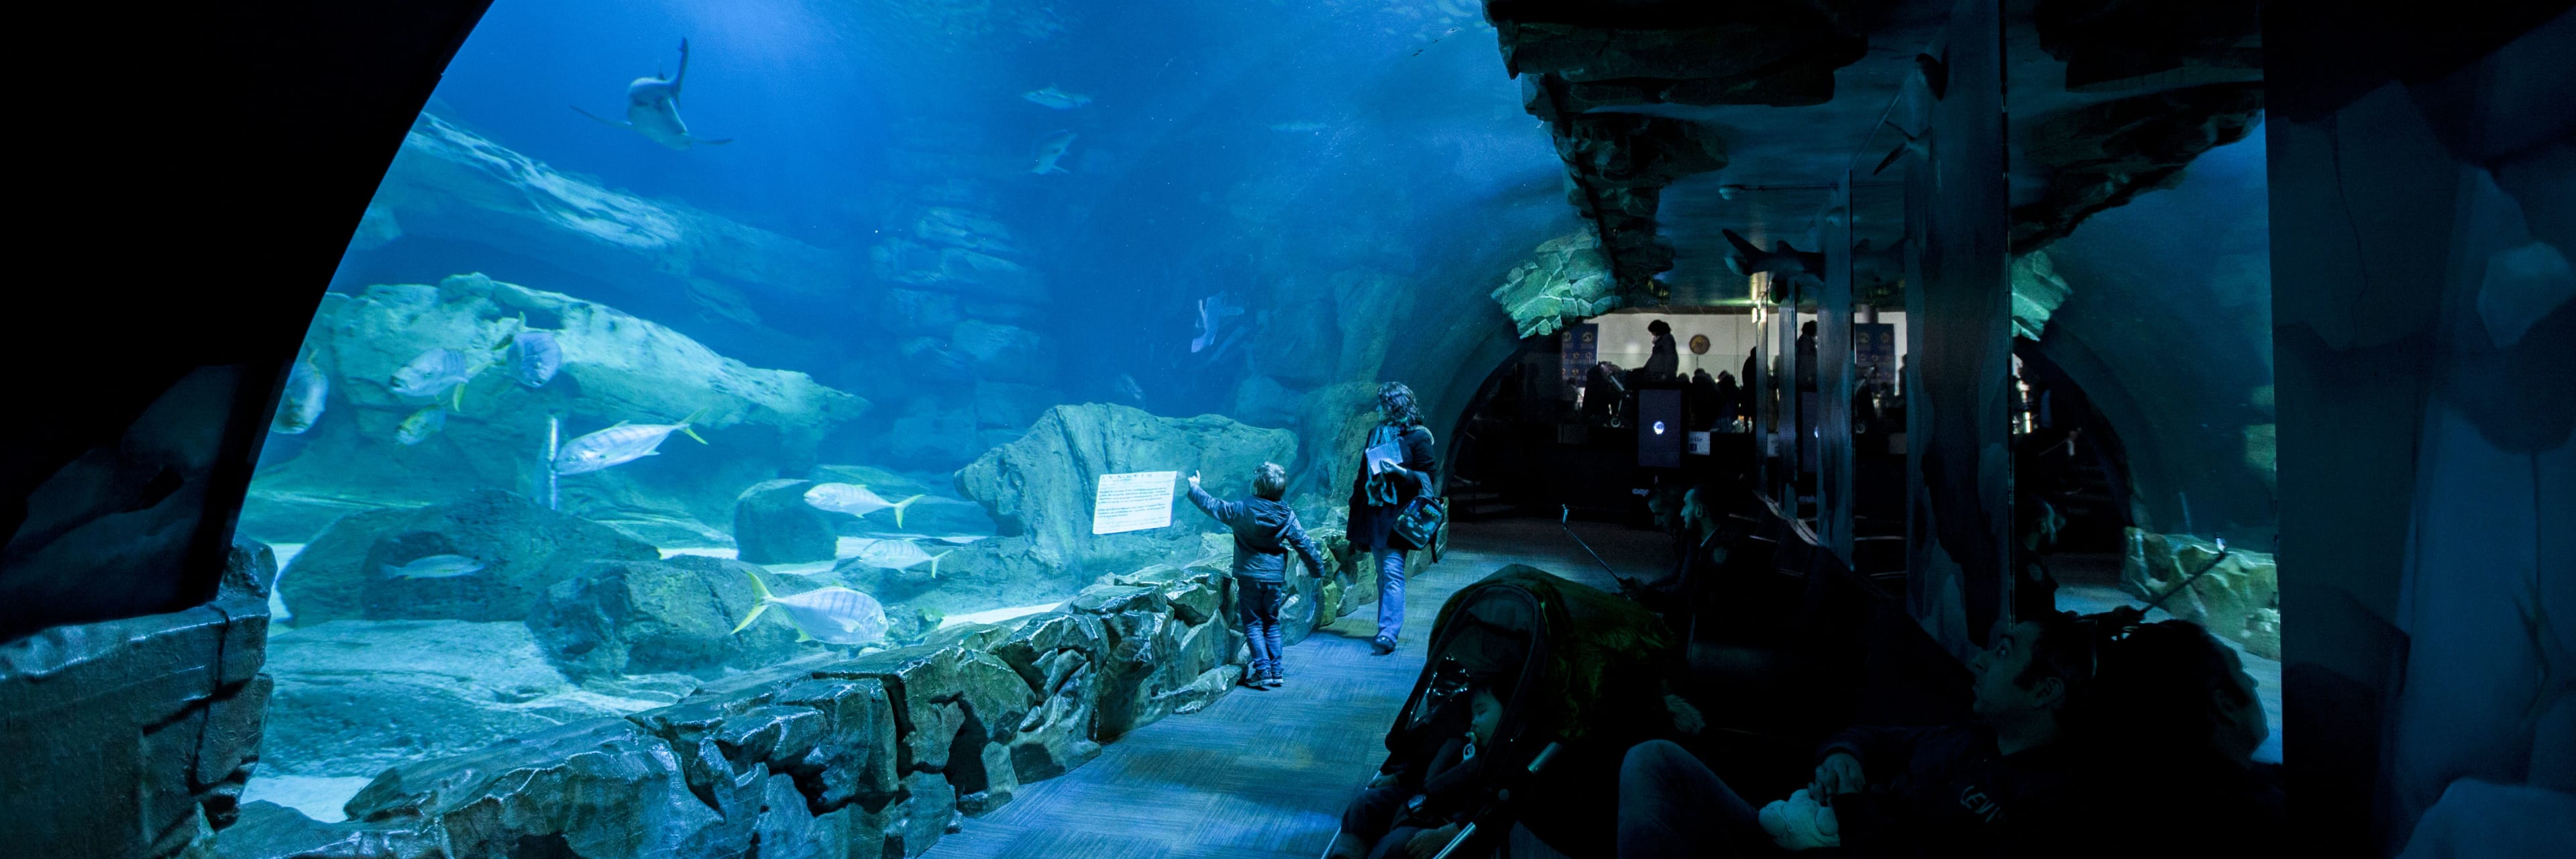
(1384, 485)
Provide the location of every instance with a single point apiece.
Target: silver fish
(434, 373)
(435, 567)
(835, 615)
(854, 500)
(420, 426)
(898, 555)
(534, 358)
(1299, 127)
(1051, 149)
(301, 404)
(653, 109)
(1128, 388)
(618, 445)
(1211, 309)
(1056, 98)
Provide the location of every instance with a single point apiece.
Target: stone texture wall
(876, 756)
(134, 737)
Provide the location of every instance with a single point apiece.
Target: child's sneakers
(1275, 679)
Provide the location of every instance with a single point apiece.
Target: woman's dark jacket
(1370, 524)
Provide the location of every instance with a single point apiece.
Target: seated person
(1700, 554)
(1998, 786)
(2172, 714)
(1414, 806)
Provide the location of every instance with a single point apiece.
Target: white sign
(1699, 443)
(1133, 502)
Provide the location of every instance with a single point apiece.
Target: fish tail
(693, 418)
(934, 559)
(460, 396)
(759, 591)
(898, 509)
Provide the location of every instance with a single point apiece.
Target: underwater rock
(1003, 404)
(1042, 485)
(932, 432)
(616, 367)
(1004, 352)
(1566, 278)
(268, 830)
(674, 615)
(599, 788)
(1262, 401)
(354, 697)
(2238, 599)
(772, 524)
(525, 549)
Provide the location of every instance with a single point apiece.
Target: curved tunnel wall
(2168, 330)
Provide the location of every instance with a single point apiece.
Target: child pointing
(1264, 531)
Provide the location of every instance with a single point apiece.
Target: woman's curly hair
(1397, 401)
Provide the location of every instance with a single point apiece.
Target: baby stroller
(1577, 672)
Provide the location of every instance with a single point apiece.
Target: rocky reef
(874, 756)
(523, 548)
(1565, 278)
(2238, 598)
(1041, 486)
(615, 368)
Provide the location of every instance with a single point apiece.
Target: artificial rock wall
(876, 756)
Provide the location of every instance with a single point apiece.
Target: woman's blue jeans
(1390, 593)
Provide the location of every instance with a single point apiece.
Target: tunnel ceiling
(1680, 120)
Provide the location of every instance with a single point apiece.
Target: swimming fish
(1128, 388)
(1211, 309)
(434, 373)
(835, 615)
(1914, 144)
(435, 567)
(420, 426)
(1056, 98)
(619, 445)
(1299, 126)
(1784, 260)
(1051, 148)
(898, 555)
(301, 404)
(653, 109)
(534, 358)
(854, 500)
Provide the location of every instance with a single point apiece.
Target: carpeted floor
(1265, 773)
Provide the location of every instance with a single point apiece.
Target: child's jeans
(1258, 604)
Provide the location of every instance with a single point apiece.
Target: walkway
(1263, 774)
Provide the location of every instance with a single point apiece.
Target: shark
(1914, 145)
(653, 109)
(1781, 261)
(1050, 149)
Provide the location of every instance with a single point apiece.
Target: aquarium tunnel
(1355, 428)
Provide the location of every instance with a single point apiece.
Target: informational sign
(1698, 443)
(1582, 349)
(1874, 350)
(1133, 502)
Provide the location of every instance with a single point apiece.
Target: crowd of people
(1727, 401)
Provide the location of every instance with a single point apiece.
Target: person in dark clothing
(1730, 400)
(1665, 363)
(1395, 468)
(1699, 552)
(1412, 808)
(1706, 402)
(1807, 356)
(2174, 721)
(1264, 531)
(1602, 393)
(2004, 785)
(1747, 405)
